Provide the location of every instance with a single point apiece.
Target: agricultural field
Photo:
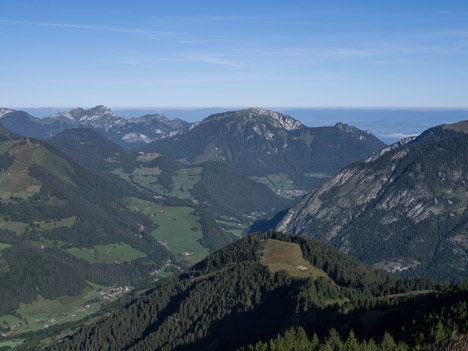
(16, 227)
(19, 227)
(15, 181)
(182, 182)
(145, 176)
(107, 253)
(279, 183)
(10, 343)
(180, 229)
(317, 175)
(42, 312)
(177, 227)
(47, 243)
(280, 255)
(232, 225)
(145, 158)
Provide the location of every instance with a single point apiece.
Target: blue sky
(237, 53)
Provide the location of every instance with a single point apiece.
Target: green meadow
(180, 229)
(280, 255)
(19, 227)
(177, 226)
(36, 315)
(107, 253)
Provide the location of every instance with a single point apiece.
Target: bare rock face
(403, 210)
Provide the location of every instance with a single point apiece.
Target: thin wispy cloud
(214, 60)
(134, 63)
(378, 50)
(212, 18)
(138, 31)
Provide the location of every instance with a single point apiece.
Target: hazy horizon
(388, 124)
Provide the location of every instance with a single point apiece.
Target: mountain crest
(284, 121)
(85, 115)
(4, 111)
(256, 114)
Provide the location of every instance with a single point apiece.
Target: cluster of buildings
(292, 192)
(109, 293)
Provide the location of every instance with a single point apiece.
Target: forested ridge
(235, 300)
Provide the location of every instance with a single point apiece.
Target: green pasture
(53, 163)
(10, 343)
(280, 255)
(180, 229)
(232, 224)
(145, 176)
(458, 127)
(64, 222)
(19, 227)
(16, 227)
(6, 144)
(317, 175)
(145, 158)
(107, 253)
(182, 182)
(35, 315)
(277, 182)
(177, 226)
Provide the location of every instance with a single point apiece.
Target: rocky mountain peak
(4, 111)
(279, 120)
(85, 115)
(256, 114)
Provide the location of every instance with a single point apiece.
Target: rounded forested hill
(252, 289)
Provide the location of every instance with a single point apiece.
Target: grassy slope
(288, 257)
(458, 127)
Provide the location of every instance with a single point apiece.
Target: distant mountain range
(272, 147)
(403, 210)
(129, 132)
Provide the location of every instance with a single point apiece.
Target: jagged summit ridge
(85, 114)
(255, 114)
(284, 121)
(4, 111)
(124, 131)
